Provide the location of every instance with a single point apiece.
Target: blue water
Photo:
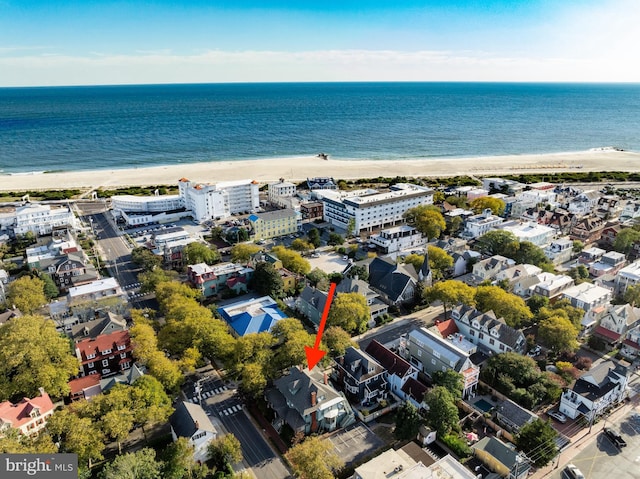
(79, 128)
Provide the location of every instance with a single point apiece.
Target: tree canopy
(450, 293)
(505, 305)
(408, 421)
(427, 219)
(292, 260)
(267, 281)
(241, 252)
(625, 240)
(201, 253)
(141, 464)
(501, 242)
(439, 261)
(537, 439)
(443, 412)
(558, 334)
(496, 205)
(26, 294)
(314, 458)
(33, 355)
(349, 311)
(451, 380)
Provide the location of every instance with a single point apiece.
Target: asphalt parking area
(355, 442)
(329, 262)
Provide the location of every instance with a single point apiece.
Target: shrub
(583, 363)
(457, 445)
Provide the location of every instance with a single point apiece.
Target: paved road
(402, 325)
(224, 403)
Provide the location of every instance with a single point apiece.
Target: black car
(614, 437)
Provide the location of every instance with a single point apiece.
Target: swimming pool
(483, 405)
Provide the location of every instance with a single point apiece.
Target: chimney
(41, 389)
(326, 378)
(197, 425)
(313, 398)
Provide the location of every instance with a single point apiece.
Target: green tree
(337, 341)
(50, 289)
(76, 435)
(241, 252)
(335, 239)
(625, 240)
(427, 219)
(152, 278)
(450, 293)
(141, 464)
(267, 281)
(505, 305)
(318, 279)
(292, 260)
(26, 294)
(580, 274)
(177, 460)
(350, 312)
(360, 271)
(292, 338)
(501, 242)
(33, 355)
(116, 424)
(144, 258)
(408, 421)
(414, 260)
(537, 302)
(451, 380)
(201, 253)
(439, 261)
(254, 380)
(314, 458)
(528, 253)
(443, 412)
(496, 205)
(562, 308)
(632, 295)
(578, 246)
(151, 405)
(314, 237)
(301, 245)
(537, 439)
(558, 334)
(225, 450)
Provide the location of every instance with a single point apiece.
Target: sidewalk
(585, 439)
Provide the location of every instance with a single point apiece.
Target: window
(105, 362)
(121, 347)
(472, 332)
(433, 361)
(491, 341)
(90, 365)
(436, 354)
(480, 335)
(106, 351)
(502, 347)
(123, 355)
(106, 371)
(91, 356)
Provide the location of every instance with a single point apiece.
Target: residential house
(477, 225)
(191, 421)
(487, 331)
(105, 355)
(590, 255)
(516, 277)
(551, 285)
(255, 315)
(310, 304)
(500, 458)
(627, 276)
(559, 251)
(610, 263)
(584, 203)
(596, 390)
(588, 230)
(401, 465)
(631, 344)
(361, 377)
(28, 416)
(398, 238)
(529, 199)
(306, 401)
(462, 262)
(9, 314)
(322, 183)
(41, 219)
(272, 224)
(513, 416)
(311, 210)
(451, 245)
(539, 235)
(431, 353)
(110, 323)
(97, 298)
(630, 211)
(377, 307)
(214, 280)
(487, 269)
(609, 207)
(280, 193)
(591, 319)
(396, 283)
(616, 322)
(86, 387)
(586, 295)
(397, 372)
(68, 270)
(609, 235)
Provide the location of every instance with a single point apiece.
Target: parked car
(614, 437)
(557, 415)
(572, 472)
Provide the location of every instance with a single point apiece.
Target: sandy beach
(297, 169)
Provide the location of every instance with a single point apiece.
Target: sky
(89, 42)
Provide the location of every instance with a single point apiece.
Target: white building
(281, 193)
(146, 204)
(41, 219)
(398, 238)
(531, 198)
(551, 285)
(630, 211)
(584, 203)
(371, 209)
(477, 225)
(627, 276)
(559, 251)
(220, 200)
(587, 296)
(539, 235)
(191, 422)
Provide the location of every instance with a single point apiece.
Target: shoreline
(300, 168)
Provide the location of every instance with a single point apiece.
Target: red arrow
(314, 355)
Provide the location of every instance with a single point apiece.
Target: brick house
(106, 355)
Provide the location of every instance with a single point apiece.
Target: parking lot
(328, 261)
(355, 442)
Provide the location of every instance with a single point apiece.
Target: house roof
(252, 316)
(515, 413)
(102, 343)
(602, 331)
(389, 360)
(80, 384)
(129, 376)
(446, 327)
(390, 278)
(296, 388)
(359, 364)
(442, 347)
(500, 451)
(415, 389)
(189, 418)
(598, 381)
(488, 321)
(92, 329)
(314, 297)
(18, 414)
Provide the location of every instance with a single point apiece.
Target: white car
(558, 416)
(572, 472)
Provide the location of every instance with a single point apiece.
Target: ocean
(100, 127)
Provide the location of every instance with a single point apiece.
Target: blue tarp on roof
(244, 322)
